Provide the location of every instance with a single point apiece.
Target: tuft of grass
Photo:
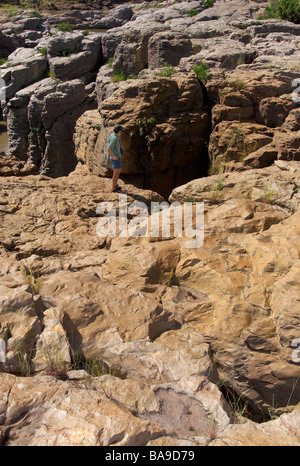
(65, 27)
(166, 70)
(54, 359)
(110, 62)
(118, 76)
(24, 358)
(42, 50)
(193, 12)
(34, 281)
(269, 194)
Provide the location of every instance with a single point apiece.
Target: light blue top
(114, 145)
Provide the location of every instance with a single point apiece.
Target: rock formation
(166, 138)
(248, 83)
(136, 338)
(183, 324)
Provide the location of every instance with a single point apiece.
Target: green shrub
(193, 12)
(42, 50)
(166, 70)
(118, 76)
(36, 14)
(201, 70)
(65, 27)
(208, 3)
(110, 62)
(283, 9)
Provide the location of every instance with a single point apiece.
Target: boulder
(255, 120)
(129, 46)
(72, 55)
(282, 431)
(7, 45)
(41, 119)
(168, 47)
(103, 412)
(23, 67)
(119, 16)
(19, 333)
(164, 119)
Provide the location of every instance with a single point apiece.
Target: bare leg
(116, 174)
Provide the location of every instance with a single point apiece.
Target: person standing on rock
(115, 154)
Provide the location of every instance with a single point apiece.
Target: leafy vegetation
(208, 3)
(283, 9)
(201, 70)
(145, 127)
(118, 76)
(193, 12)
(65, 27)
(166, 70)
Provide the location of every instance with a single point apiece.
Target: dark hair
(118, 128)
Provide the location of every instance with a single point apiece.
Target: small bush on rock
(283, 9)
(167, 70)
(65, 27)
(201, 70)
(208, 3)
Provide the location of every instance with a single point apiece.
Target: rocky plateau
(142, 340)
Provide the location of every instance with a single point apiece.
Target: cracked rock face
(249, 83)
(130, 341)
(177, 326)
(164, 118)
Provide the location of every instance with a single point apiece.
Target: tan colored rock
(101, 411)
(239, 278)
(254, 120)
(52, 347)
(163, 118)
(83, 417)
(156, 311)
(274, 185)
(280, 432)
(287, 144)
(20, 326)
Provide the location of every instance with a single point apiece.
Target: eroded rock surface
(179, 326)
(167, 127)
(142, 340)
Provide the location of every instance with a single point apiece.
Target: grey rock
(64, 42)
(74, 63)
(23, 67)
(41, 121)
(7, 45)
(168, 47)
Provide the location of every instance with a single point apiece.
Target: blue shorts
(116, 163)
